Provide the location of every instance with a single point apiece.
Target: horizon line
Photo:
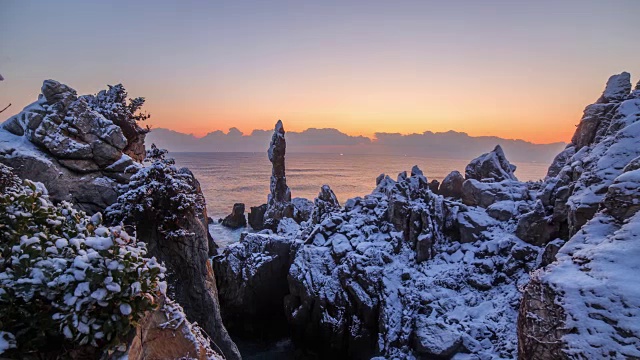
(372, 139)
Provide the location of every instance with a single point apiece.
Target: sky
(513, 69)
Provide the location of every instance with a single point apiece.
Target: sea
(228, 178)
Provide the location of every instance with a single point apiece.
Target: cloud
(450, 144)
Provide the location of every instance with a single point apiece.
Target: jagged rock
(617, 89)
(252, 288)
(165, 333)
(536, 227)
(492, 166)
(606, 140)
(452, 185)
(90, 192)
(325, 203)
(279, 204)
(176, 233)
(472, 224)
(78, 152)
(302, 209)
(256, 216)
(550, 252)
(236, 219)
(434, 186)
(583, 302)
(586, 301)
(476, 193)
(560, 161)
(622, 199)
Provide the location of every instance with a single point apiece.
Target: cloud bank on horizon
(448, 145)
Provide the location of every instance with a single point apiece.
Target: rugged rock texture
(606, 140)
(302, 209)
(492, 166)
(279, 204)
(75, 145)
(252, 278)
(191, 279)
(476, 193)
(166, 334)
(452, 185)
(585, 303)
(236, 219)
(256, 216)
(325, 203)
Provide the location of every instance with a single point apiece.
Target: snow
(597, 277)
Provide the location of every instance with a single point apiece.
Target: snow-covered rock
(279, 201)
(251, 277)
(77, 146)
(452, 185)
(585, 303)
(492, 166)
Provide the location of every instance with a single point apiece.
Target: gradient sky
(513, 69)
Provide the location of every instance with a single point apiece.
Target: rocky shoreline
(480, 266)
(423, 270)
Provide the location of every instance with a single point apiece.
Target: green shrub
(66, 280)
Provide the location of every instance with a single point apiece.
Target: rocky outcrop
(279, 204)
(325, 203)
(256, 216)
(583, 304)
(166, 334)
(236, 219)
(452, 185)
(302, 209)
(253, 287)
(168, 211)
(476, 193)
(75, 144)
(492, 166)
(606, 140)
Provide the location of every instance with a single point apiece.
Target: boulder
(492, 166)
(236, 219)
(536, 228)
(302, 209)
(256, 216)
(452, 185)
(325, 203)
(435, 339)
(476, 193)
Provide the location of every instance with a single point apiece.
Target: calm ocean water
(227, 178)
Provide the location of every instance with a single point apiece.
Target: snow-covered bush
(113, 105)
(159, 193)
(66, 280)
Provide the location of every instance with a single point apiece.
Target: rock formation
(256, 216)
(325, 203)
(168, 211)
(252, 288)
(236, 219)
(452, 185)
(279, 201)
(76, 145)
(166, 334)
(585, 303)
(492, 166)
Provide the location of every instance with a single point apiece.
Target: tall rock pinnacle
(279, 203)
(279, 190)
